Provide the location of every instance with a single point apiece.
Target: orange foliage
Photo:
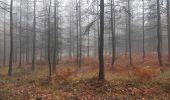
(65, 72)
(143, 69)
(146, 72)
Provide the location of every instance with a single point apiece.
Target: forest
(84, 50)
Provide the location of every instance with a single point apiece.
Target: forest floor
(145, 81)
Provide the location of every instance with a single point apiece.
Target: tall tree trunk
(34, 37)
(16, 42)
(94, 31)
(101, 57)
(159, 33)
(88, 40)
(4, 56)
(113, 32)
(80, 37)
(27, 45)
(129, 30)
(98, 24)
(70, 39)
(20, 36)
(11, 39)
(126, 36)
(168, 28)
(49, 46)
(143, 22)
(77, 32)
(55, 34)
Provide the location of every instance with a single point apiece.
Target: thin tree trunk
(20, 41)
(15, 38)
(27, 47)
(88, 41)
(159, 33)
(113, 32)
(143, 22)
(4, 56)
(168, 28)
(49, 26)
(98, 24)
(129, 30)
(11, 39)
(80, 37)
(55, 34)
(34, 37)
(77, 30)
(70, 39)
(101, 57)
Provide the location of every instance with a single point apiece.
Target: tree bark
(143, 22)
(27, 47)
(80, 37)
(113, 32)
(168, 28)
(20, 36)
(34, 37)
(4, 56)
(159, 33)
(55, 34)
(101, 57)
(129, 30)
(77, 32)
(49, 46)
(11, 39)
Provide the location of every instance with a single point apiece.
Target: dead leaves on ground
(72, 83)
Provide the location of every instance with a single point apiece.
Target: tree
(4, 56)
(143, 22)
(101, 42)
(34, 37)
(49, 32)
(11, 39)
(98, 24)
(159, 33)
(55, 34)
(28, 36)
(129, 30)
(168, 28)
(20, 33)
(113, 31)
(70, 38)
(16, 38)
(88, 40)
(77, 31)
(80, 36)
